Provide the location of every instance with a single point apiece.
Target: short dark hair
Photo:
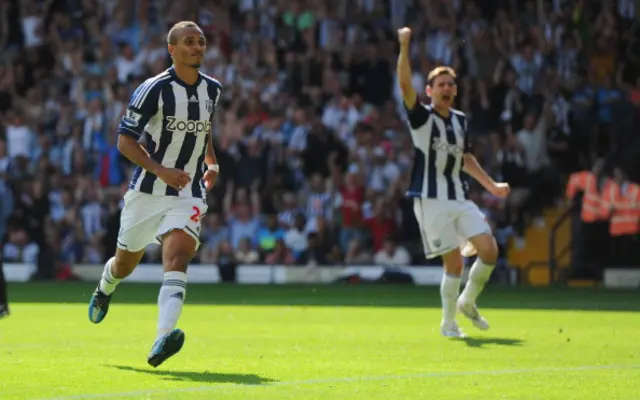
(172, 36)
(439, 71)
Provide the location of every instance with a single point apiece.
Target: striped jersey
(173, 120)
(439, 144)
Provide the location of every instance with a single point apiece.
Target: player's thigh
(179, 232)
(139, 223)
(473, 226)
(436, 226)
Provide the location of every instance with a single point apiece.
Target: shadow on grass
(202, 377)
(481, 342)
(408, 296)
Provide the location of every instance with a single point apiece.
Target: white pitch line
(371, 378)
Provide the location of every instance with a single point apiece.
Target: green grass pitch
(321, 343)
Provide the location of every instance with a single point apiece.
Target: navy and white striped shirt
(439, 144)
(173, 119)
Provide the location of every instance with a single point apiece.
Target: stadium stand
(310, 135)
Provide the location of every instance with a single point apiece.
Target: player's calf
(115, 270)
(170, 301)
(450, 288)
(478, 277)
(178, 248)
(101, 298)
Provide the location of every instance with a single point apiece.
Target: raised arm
(404, 69)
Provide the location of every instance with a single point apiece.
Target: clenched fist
(500, 189)
(404, 35)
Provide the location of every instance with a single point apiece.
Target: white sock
(449, 290)
(108, 283)
(478, 277)
(170, 301)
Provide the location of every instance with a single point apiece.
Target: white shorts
(146, 218)
(446, 224)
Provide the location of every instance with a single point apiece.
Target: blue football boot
(98, 306)
(165, 347)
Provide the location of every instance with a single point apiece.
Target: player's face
(190, 48)
(443, 90)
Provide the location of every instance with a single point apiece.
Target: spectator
(381, 224)
(392, 254)
(286, 217)
(357, 254)
(268, 235)
(511, 161)
(296, 238)
(350, 201)
(242, 216)
(19, 248)
(246, 254)
(533, 139)
(318, 199)
(280, 255)
(314, 254)
(227, 263)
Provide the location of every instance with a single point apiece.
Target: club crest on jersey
(209, 104)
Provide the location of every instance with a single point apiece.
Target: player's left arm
(210, 155)
(471, 166)
(210, 159)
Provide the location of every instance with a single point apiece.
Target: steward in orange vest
(590, 231)
(587, 183)
(621, 202)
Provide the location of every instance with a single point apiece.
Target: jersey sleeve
(142, 107)
(418, 115)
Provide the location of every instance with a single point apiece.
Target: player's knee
(452, 262)
(177, 262)
(488, 250)
(178, 248)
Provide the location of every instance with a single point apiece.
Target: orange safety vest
(586, 182)
(623, 204)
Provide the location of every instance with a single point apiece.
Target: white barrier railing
(247, 274)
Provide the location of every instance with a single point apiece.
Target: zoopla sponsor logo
(190, 126)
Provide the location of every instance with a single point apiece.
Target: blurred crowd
(310, 134)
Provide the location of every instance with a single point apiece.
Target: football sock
(478, 277)
(449, 290)
(108, 283)
(170, 301)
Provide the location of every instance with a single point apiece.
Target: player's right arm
(142, 107)
(418, 115)
(409, 95)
